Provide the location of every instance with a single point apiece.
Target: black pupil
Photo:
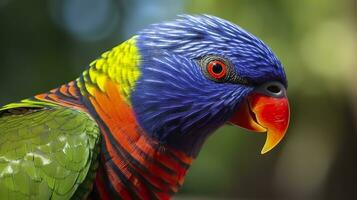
(274, 89)
(217, 68)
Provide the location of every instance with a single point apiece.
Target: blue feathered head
(196, 73)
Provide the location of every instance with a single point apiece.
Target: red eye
(217, 69)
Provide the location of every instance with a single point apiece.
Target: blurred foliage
(46, 43)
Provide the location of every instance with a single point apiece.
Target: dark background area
(45, 43)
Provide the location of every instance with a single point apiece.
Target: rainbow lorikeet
(130, 126)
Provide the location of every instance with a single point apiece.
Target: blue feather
(173, 100)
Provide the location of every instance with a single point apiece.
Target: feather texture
(153, 103)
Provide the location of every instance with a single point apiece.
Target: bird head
(201, 72)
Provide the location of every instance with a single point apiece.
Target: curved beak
(263, 113)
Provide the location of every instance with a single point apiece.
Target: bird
(130, 126)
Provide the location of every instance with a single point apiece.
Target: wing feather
(46, 151)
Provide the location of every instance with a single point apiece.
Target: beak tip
(273, 139)
(265, 150)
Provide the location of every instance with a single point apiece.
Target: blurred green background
(45, 43)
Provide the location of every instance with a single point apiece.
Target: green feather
(46, 151)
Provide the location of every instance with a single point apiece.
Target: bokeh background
(45, 43)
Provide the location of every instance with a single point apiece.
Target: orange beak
(262, 113)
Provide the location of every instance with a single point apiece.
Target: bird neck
(132, 163)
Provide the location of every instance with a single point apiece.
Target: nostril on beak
(274, 89)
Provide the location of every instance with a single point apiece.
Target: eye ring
(217, 69)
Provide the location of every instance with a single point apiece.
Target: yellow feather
(121, 65)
